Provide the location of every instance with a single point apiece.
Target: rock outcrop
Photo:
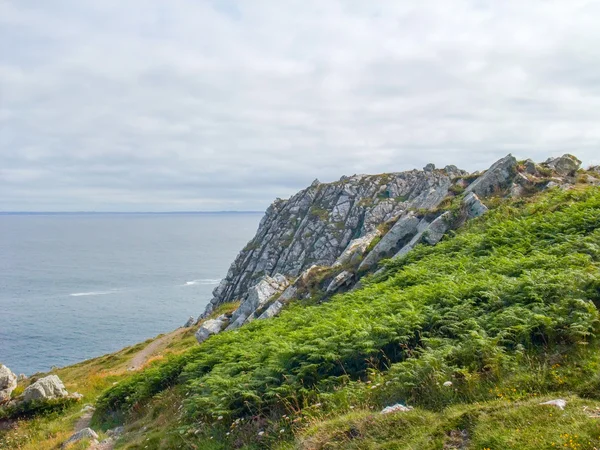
(326, 237)
(46, 388)
(315, 226)
(86, 433)
(8, 383)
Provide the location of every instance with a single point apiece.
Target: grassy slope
(504, 309)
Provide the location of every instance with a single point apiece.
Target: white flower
(448, 383)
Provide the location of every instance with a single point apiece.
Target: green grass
(507, 298)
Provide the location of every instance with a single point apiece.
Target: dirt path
(141, 357)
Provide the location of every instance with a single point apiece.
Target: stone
(530, 167)
(115, 431)
(565, 165)
(356, 249)
(257, 297)
(559, 403)
(497, 178)
(210, 327)
(272, 310)
(436, 230)
(318, 224)
(86, 433)
(392, 241)
(76, 396)
(429, 167)
(423, 225)
(8, 383)
(398, 407)
(340, 280)
(191, 321)
(46, 388)
(473, 206)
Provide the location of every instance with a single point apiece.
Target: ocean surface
(75, 286)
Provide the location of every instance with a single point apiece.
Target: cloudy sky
(155, 105)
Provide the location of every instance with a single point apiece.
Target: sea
(77, 286)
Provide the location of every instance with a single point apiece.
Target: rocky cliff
(336, 232)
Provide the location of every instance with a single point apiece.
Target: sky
(155, 105)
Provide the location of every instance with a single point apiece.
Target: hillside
(487, 309)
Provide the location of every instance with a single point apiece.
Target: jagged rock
(258, 296)
(210, 327)
(565, 165)
(530, 167)
(76, 396)
(473, 206)
(46, 388)
(8, 383)
(315, 226)
(191, 321)
(22, 377)
(436, 229)
(423, 225)
(356, 249)
(86, 433)
(429, 167)
(288, 294)
(594, 169)
(497, 178)
(272, 310)
(116, 431)
(402, 231)
(340, 280)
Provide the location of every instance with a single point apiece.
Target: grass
(503, 298)
(506, 309)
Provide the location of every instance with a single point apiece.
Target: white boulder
(46, 388)
(8, 383)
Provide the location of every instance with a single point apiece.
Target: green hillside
(506, 310)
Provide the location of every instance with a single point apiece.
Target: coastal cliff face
(317, 224)
(337, 232)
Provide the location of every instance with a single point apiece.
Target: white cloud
(224, 104)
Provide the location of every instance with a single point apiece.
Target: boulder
(210, 327)
(86, 433)
(403, 229)
(496, 179)
(530, 167)
(191, 321)
(46, 388)
(257, 297)
(8, 383)
(423, 225)
(436, 230)
(272, 310)
(429, 167)
(340, 280)
(356, 249)
(565, 165)
(473, 206)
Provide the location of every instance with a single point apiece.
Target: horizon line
(49, 213)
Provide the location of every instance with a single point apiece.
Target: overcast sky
(155, 105)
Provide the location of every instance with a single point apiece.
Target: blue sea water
(75, 286)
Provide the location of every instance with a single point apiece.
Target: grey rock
(473, 206)
(272, 310)
(565, 165)
(340, 280)
(191, 321)
(8, 383)
(421, 228)
(429, 167)
(316, 226)
(530, 167)
(436, 230)
(86, 433)
(288, 294)
(356, 249)
(116, 431)
(402, 231)
(46, 388)
(497, 178)
(210, 327)
(257, 297)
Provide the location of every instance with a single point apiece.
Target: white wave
(203, 281)
(85, 294)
